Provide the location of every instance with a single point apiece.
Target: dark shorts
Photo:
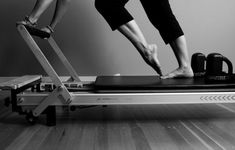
(158, 11)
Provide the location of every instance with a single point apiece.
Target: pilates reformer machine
(34, 95)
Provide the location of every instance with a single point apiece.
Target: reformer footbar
(105, 90)
(26, 32)
(60, 91)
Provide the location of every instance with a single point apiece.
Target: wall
(93, 49)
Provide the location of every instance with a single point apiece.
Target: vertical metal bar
(64, 60)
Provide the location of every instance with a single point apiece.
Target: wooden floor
(167, 127)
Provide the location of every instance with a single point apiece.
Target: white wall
(93, 49)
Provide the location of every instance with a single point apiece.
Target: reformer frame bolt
(35, 114)
(69, 101)
(20, 100)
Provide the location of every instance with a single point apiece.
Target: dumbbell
(198, 62)
(211, 67)
(214, 68)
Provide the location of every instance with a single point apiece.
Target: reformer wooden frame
(61, 96)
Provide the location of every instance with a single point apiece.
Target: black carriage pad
(106, 84)
(36, 32)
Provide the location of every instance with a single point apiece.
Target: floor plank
(152, 127)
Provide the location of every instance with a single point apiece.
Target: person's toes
(157, 68)
(46, 30)
(168, 76)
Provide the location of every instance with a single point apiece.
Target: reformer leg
(14, 100)
(51, 115)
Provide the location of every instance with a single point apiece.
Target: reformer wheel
(31, 118)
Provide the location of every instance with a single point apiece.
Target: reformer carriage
(33, 95)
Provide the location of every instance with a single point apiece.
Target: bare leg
(184, 70)
(61, 7)
(148, 51)
(39, 8)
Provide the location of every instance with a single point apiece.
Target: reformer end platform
(20, 82)
(35, 31)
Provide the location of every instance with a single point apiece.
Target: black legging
(158, 11)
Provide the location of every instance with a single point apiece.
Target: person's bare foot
(150, 57)
(183, 72)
